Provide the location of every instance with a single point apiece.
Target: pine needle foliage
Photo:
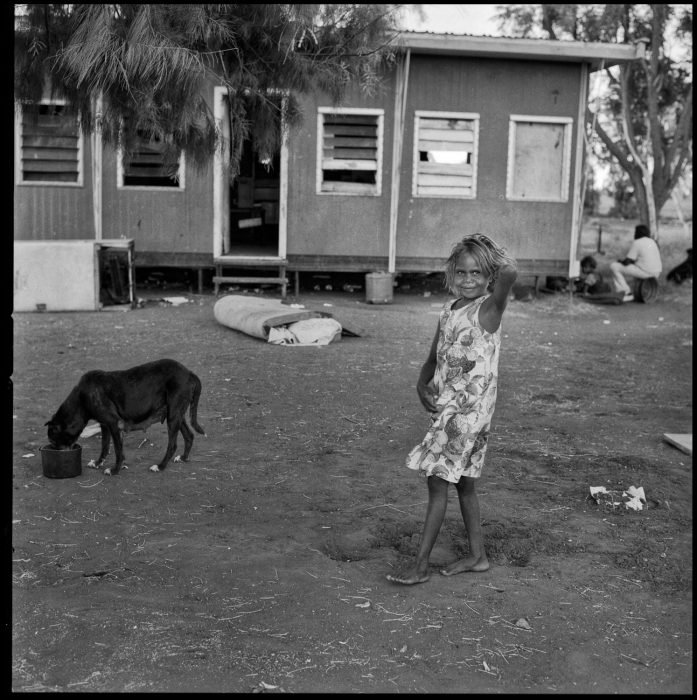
(150, 66)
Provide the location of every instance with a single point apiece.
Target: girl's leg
(469, 506)
(437, 503)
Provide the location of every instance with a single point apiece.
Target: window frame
(121, 174)
(430, 114)
(19, 137)
(565, 174)
(380, 141)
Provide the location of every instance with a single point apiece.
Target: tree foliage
(643, 121)
(149, 65)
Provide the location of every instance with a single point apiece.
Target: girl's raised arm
(492, 309)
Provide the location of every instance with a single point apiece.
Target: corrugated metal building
(469, 134)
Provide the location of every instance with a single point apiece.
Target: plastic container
(378, 287)
(61, 464)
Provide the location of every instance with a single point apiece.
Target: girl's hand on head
(508, 270)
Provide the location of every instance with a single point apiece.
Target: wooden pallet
(683, 441)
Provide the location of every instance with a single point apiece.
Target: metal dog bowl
(61, 464)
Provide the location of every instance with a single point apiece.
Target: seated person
(643, 261)
(683, 271)
(591, 281)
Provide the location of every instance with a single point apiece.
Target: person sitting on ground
(643, 261)
(591, 281)
(683, 271)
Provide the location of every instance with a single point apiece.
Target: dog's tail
(195, 394)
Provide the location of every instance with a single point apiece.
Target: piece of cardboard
(683, 441)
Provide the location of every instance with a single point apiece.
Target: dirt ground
(259, 566)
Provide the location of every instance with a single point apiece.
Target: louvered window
(445, 154)
(350, 151)
(539, 158)
(50, 146)
(145, 167)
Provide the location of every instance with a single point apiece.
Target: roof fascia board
(595, 53)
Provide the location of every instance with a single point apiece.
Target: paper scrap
(633, 491)
(633, 498)
(633, 503)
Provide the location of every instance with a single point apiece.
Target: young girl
(457, 384)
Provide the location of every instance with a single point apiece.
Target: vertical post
(221, 207)
(579, 181)
(283, 185)
(400, 102)
(97, 169)
(131, 275)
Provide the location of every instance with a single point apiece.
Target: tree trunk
(642, 168)
(678, 207)
(646, 205)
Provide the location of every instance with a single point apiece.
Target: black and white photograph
(352, 349)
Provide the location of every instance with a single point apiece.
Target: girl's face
(469, 281)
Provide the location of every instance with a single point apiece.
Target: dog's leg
(188, 442)
(117, 437)
(173, 427)
(106, 438)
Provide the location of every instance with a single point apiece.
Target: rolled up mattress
(255, 315)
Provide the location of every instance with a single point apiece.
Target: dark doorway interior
(254, 205)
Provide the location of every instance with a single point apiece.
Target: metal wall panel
(334, 224)
(494, 89)
(55, 212)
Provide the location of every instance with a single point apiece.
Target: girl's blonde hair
(488, 254)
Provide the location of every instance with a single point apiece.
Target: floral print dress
(465, 382)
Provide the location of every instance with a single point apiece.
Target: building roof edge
(596, 53)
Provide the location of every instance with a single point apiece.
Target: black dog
(131, 399)
(683, 271)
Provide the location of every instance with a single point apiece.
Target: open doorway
(249, 222)
(254, 206)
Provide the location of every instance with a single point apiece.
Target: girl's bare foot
(408, 577)
(467, 564)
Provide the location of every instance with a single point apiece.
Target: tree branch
(614, 149)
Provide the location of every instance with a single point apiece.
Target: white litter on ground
(311, 331)
(633, 498)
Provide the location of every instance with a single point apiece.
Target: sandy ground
(259, 566)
